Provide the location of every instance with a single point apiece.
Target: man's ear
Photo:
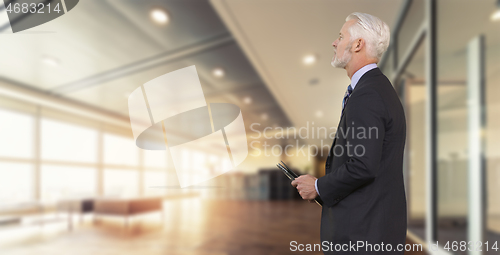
(359, 44)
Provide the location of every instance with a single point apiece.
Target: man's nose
(334, 44)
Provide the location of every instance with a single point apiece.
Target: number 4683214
(31, 8)
(470, 246)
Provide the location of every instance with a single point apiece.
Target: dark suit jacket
(363, 188)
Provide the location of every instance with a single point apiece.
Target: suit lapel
(358, 86)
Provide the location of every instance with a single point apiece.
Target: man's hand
(305, 186)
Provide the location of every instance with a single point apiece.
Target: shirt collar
(357, 75)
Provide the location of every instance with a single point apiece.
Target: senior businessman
(363, 188)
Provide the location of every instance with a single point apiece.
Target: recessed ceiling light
(51, 61)
(264, 116)
(247, 100)
(159, 16)
(309, 59)
(496, 15)
(218, 72)
(319, 114)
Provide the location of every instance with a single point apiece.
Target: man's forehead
(342, 33)
(343, 30)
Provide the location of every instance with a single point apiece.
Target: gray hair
(373, 30)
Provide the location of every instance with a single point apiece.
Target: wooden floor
(191, 226)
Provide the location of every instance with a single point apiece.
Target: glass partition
(415, 103)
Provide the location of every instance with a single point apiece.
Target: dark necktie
(346, 97)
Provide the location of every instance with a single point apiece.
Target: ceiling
(106, 49)
(277, 35)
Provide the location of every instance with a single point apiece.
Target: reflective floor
(189, 226)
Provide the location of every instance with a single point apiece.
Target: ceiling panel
(93, 38)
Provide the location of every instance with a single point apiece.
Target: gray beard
(341, 63)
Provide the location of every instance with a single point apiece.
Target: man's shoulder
(374, 91)
(374, 81)
(374, 76)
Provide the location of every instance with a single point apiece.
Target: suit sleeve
(366, 111)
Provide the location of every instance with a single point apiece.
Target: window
(119, 150)
(67, 142)
(64, 182)
(155, 159)
(16, 134)
(120, 183)
(155, 183)
(16, 183)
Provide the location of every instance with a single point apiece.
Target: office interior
(73, 180)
